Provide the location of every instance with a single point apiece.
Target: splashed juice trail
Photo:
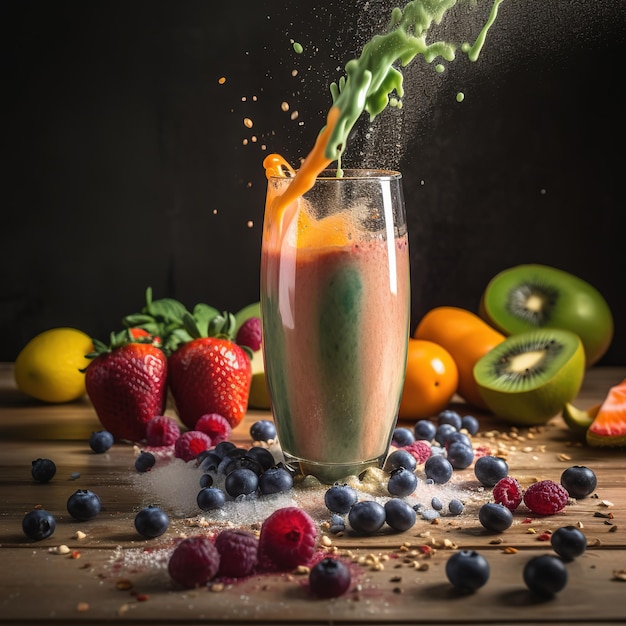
(335, 290)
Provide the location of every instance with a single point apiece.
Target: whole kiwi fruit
(531, 296)
(529, 377)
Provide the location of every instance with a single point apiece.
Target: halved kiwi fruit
(529, 377)
(538, 296)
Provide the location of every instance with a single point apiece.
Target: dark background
(124, 162)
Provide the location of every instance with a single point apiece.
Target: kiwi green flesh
(538, 296)
(529, 377)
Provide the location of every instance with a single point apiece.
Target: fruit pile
(207, 362)
(523, 356)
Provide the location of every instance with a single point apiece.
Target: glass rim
(365, 173)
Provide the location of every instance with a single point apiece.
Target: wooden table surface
(113, 575)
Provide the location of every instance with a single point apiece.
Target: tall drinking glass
(335, 305)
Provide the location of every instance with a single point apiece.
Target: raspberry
(249, 334)
(238, 552)
(162, 431)
(189, 445)
(508, 492)
(194, 562)
(420, 450)
(215, 426)
(546, 497)
(288, 538)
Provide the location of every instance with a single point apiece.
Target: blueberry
(402, 437)
(263, 430)
(448, 416)
(579, 481)
(400, 458)
(262, 456)
(399, 514)
(424, 430)
(340, 498)
(429, 514)
(436, 503)
(83, 505)
(545, 574)
(241, 482)
(568, 542)
(490, 469)
(227, 459)
(438, 469)
(206, 480)
(402, 482)
(455, 506)
(210, 461)
(275, 480)
(223, 447)
(210, 498)
(460, 455)
(43, 470)
(38, 525)
(145, 461)
(100, 441)
(443, 432)
(495, 517)
(337, 524)
(329, 578)
(151, 522)
(458, 437)
(467, 570)
(470, 424)
(367, 517)
(244, 461)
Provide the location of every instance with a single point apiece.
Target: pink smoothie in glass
(335, 314)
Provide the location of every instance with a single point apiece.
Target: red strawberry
(143, 336)
(126, 383)
(210, 374)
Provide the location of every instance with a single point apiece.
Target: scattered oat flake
(619, 574)
(606, 503)
(79, 534)
(510, 550)
(247, 122)
(124, 584)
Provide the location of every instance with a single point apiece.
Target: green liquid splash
(371, 78)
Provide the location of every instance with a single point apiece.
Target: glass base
(330, 473)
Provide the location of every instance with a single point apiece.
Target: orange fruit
(430, 381)
(466, 337)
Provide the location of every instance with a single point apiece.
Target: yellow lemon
(48, 367)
